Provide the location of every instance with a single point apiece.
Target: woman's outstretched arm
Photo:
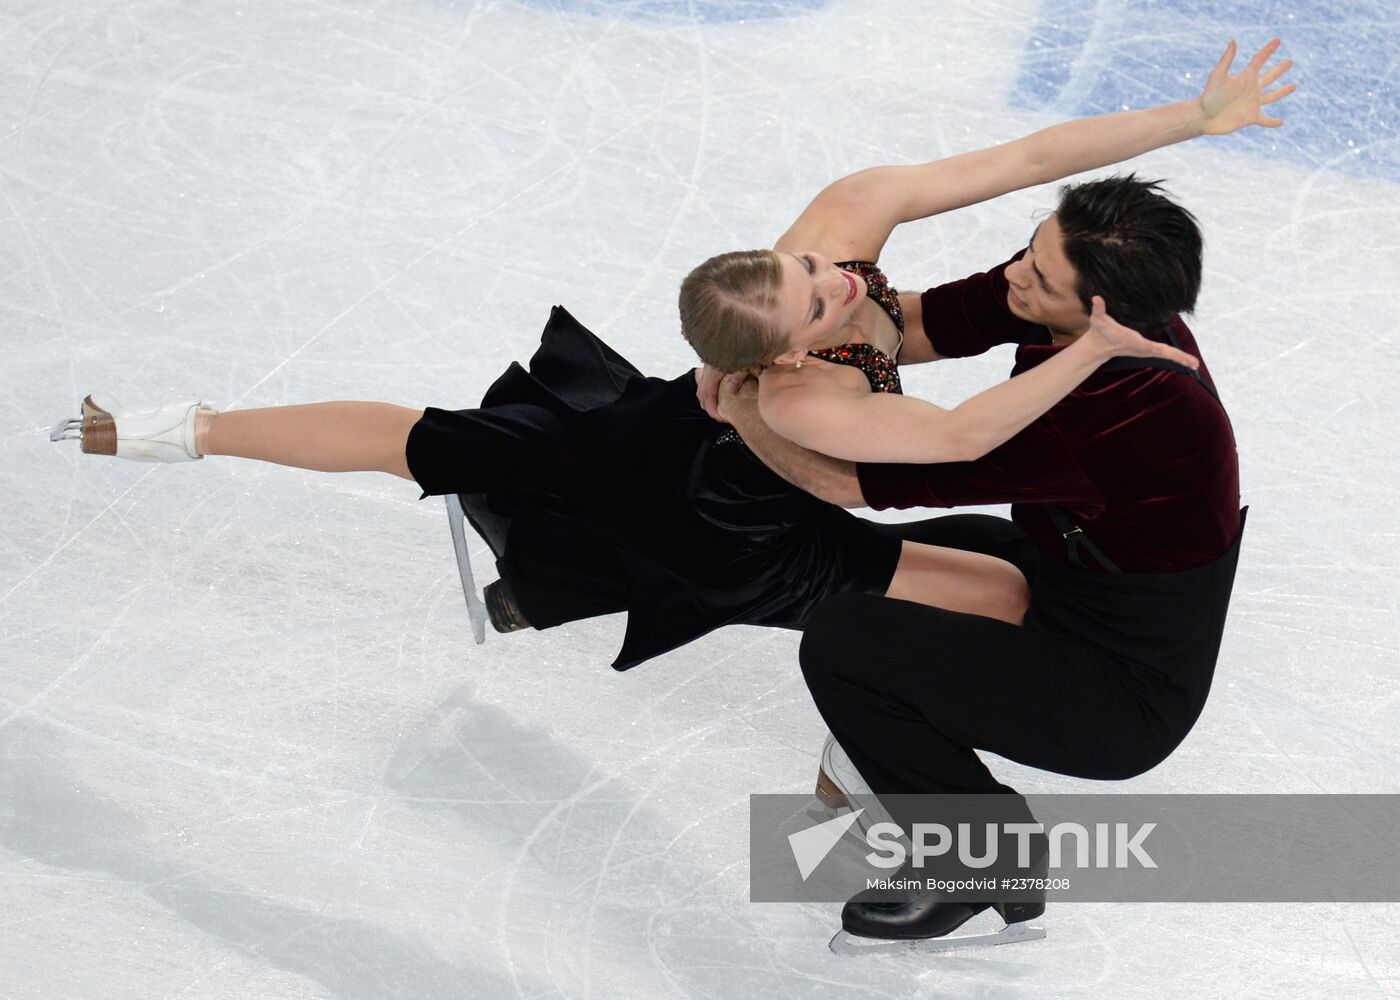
(864, 426)
(853, 217)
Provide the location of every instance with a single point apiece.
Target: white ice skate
(841, 788)
(165, 434)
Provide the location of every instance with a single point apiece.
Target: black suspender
(1117, 364)
(1075, 538)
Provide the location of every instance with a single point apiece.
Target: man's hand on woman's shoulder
(707, 381)
(737, 398)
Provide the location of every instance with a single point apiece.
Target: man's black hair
(1134, 246)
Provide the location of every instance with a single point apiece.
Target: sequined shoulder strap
(878, 289)
(877, 366)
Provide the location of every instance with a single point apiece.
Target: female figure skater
(600, 489)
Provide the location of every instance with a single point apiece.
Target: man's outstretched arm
(831, 479)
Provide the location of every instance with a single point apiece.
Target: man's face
(1043, 284)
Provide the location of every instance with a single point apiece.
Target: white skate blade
(67, 430)
(846, 943)
(476, 608)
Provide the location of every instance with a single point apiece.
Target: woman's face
(816, 300)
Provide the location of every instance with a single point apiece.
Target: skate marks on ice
(549, 875)
(632, 873)
(1089, 57)
(50, 816)
(682, 11)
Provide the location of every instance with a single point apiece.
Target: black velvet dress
(600, 490)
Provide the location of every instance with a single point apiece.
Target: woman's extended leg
(326, 437)
(957, 580)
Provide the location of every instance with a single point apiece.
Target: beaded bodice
(877, 366)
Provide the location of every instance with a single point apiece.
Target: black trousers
(913, 692)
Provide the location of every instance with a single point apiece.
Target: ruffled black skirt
(600, 490)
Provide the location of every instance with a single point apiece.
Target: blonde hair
(729, 310)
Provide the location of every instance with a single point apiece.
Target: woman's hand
(1115, 340)
(1231, 103)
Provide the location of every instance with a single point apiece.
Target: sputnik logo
(811, 846)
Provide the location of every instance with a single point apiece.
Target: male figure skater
(1125, 521)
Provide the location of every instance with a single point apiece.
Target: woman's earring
(798, 364)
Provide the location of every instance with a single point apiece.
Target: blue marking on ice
(1095, 56)
(683, 10)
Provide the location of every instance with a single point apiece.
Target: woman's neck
(863, 328)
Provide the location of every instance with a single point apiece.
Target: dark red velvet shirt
(1142, 459)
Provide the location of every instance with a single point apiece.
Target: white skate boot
(165, 434)
(840, 788)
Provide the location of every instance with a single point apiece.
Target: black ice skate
(877, 926)
(916, 920)
(504, 613)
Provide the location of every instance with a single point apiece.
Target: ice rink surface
(247, 748)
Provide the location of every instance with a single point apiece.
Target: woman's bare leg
(960, 581)
(326, 437)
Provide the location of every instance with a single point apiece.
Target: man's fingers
(709, 400)
(732, 386)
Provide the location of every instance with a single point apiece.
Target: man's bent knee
(832, 635)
